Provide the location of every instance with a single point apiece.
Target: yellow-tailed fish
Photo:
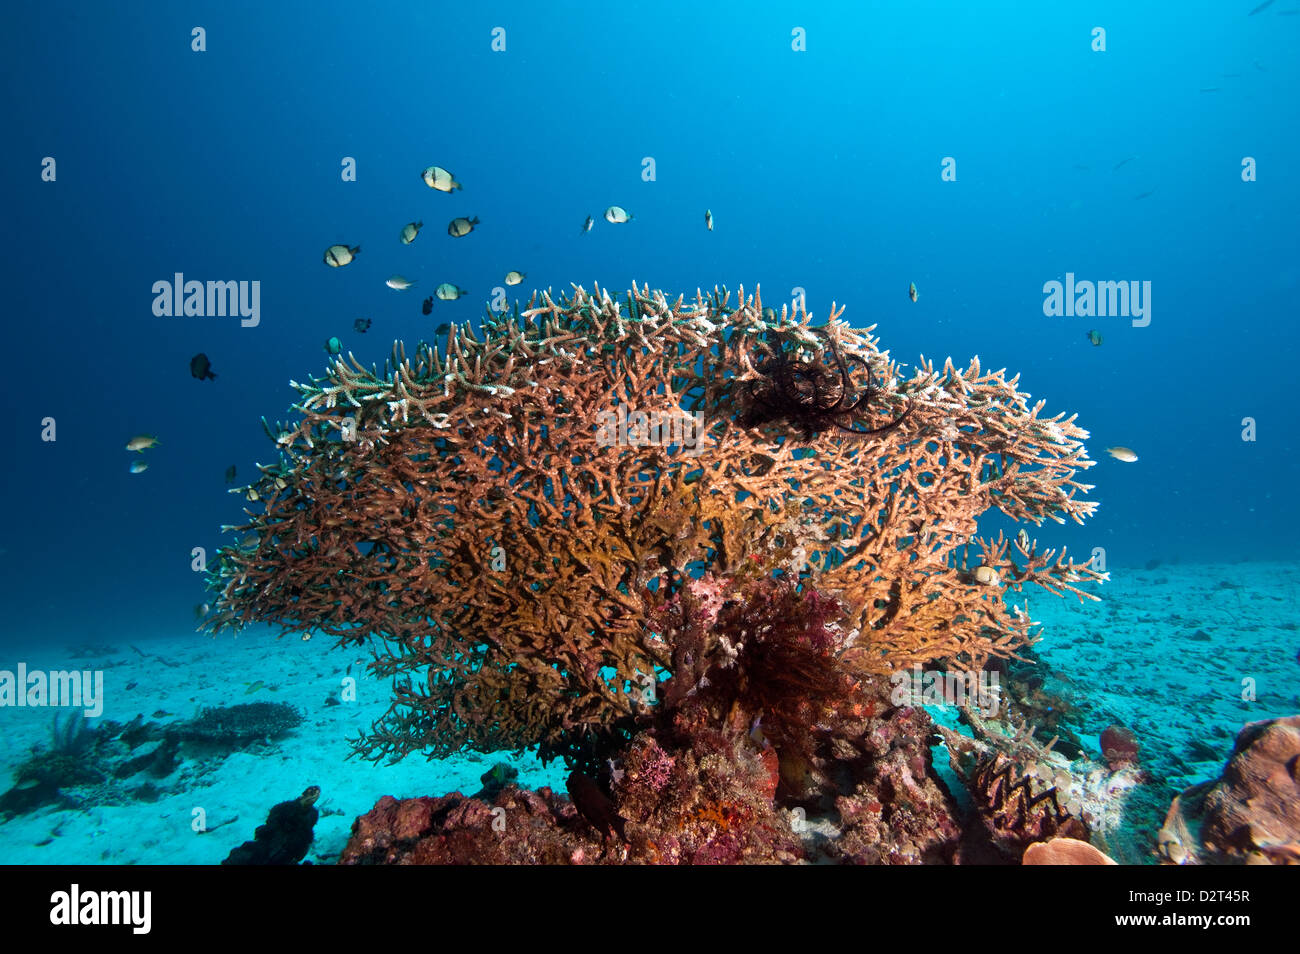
(141, 442)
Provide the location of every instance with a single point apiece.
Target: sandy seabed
(1173, 653)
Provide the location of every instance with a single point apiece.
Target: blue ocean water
(823, 167)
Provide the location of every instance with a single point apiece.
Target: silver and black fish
(436, 177)
(337, 256)
(461, 226)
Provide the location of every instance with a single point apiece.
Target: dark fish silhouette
(1143, 195)
(361, 325)
(201, 367)
(230, 474)
(427, 307)
(1266, 4)
(1124, 162)
(442, 329)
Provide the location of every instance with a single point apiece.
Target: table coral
(471, 510)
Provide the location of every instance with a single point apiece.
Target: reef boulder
(1251, 813)
(516, 826)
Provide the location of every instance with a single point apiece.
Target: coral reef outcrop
(1065, 851)
(1251, 813)
(680, 546)
(508, 511)
(1025, 791)
(286, 835)
(238, 725)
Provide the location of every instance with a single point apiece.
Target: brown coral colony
(745, 557)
